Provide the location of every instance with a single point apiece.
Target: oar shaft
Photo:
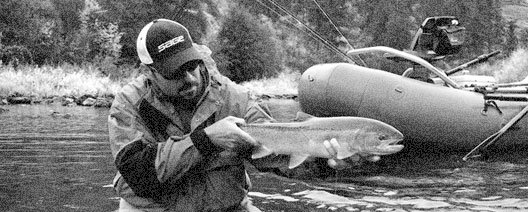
(493, 138)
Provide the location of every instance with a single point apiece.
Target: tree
(246, 47)
(301, 47)
(523, 41)
(68, 13)
(387, 24)
(132, 15)
(512, 41)
(21, 26)
(16, 22)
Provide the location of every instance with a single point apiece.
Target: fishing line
(312, 33)
(339, 31)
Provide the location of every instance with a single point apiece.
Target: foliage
(511, 40)
(15, 55)
(132, 15)
(104, 31)
(511, 69)
(301, 47)
(523, 41)
(247, 47)
(387, 24)
(282, 84)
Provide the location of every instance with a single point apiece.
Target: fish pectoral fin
(261, 152)
(302, 116)
(296, 160)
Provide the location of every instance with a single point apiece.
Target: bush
(247, 47)
(511, 69)
(15, 55)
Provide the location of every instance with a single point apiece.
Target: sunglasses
(180, 72)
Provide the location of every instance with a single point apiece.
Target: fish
(304, 138)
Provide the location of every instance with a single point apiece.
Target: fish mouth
(390, 146)
(393, 141)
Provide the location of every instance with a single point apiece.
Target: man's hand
(228, 136)
(332, 146)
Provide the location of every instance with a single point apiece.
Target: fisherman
(173, 130)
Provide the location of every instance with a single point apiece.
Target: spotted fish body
(304, 139)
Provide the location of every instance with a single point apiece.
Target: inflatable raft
(427, 114)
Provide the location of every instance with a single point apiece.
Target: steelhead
(304, 138)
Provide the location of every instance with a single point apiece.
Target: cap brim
(173, 63)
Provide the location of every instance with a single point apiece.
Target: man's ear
(143, 65)
(146, 67)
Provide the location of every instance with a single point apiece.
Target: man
(173, 131)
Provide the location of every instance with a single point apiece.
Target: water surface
(55, 163)
(63, 163)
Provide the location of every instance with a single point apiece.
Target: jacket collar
(210, 102)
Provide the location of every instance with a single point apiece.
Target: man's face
(184, 82)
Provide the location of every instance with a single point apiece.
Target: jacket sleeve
(258, 112)
(136, 150)
(133, 154)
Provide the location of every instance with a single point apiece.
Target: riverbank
(96, 86)
(65, 85)
(87, 86)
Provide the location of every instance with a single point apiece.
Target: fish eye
(383, 137)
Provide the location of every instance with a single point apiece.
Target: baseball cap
(164, 41)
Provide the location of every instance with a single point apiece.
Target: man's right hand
(228, 136)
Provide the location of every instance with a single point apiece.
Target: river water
(63, 163)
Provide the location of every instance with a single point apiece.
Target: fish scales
(300, 140)
(305, 138)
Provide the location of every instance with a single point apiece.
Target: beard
(189, 90)
(189, 95)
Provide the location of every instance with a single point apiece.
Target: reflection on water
(55, 163)
(63, 163)
(410, 181)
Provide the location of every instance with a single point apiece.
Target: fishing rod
(339, 31)
(311, 33)
(479, 59)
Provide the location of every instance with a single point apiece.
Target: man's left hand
(332, 146)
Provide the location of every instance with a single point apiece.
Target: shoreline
(68, 101)
(88, 100)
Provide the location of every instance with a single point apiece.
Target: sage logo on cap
(170, 43)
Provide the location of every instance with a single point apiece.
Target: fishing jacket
(161, 166)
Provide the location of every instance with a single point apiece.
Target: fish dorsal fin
(261, 152)
(296, 160)
(302, 116)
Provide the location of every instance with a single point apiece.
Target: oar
(490, 140)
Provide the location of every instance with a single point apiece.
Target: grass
(45, 82)
(283, 84)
